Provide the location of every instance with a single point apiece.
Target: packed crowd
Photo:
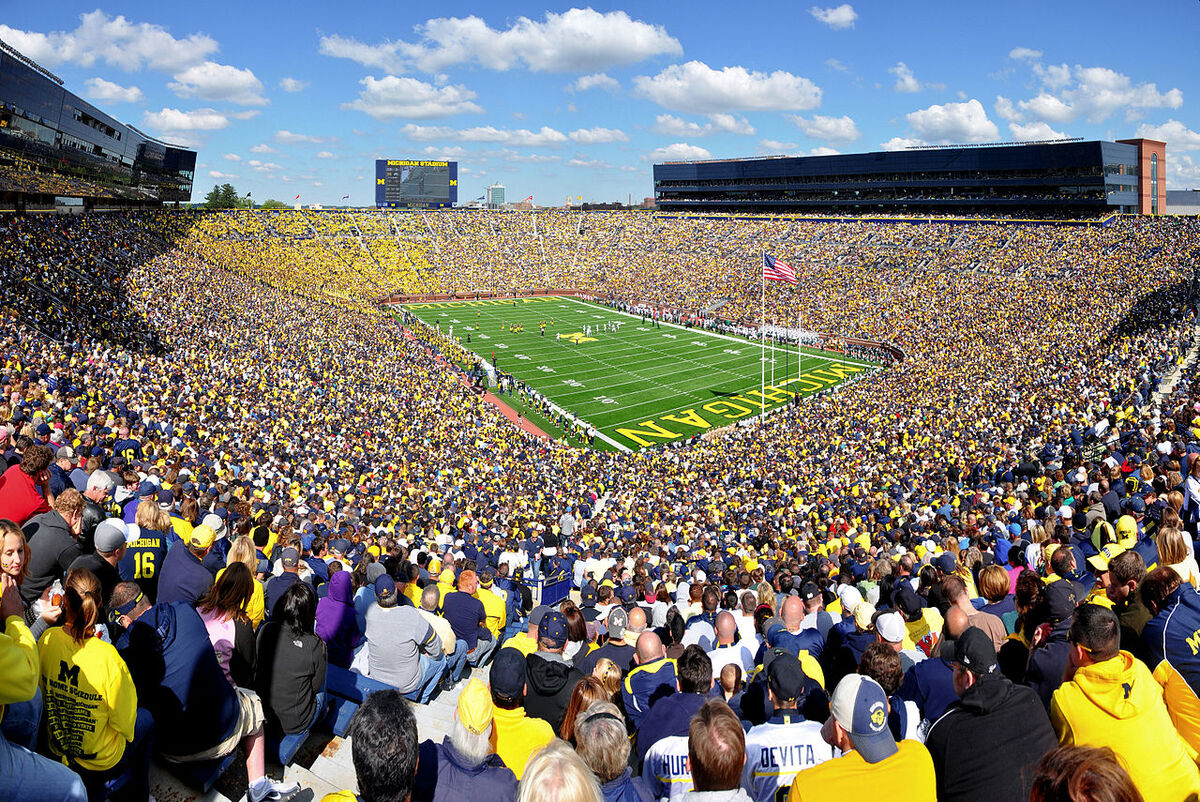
(238, 489)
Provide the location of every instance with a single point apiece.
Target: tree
(229, 197)
(213, 199)
(224, 197)
(271, 203)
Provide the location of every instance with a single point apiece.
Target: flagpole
(762, 330)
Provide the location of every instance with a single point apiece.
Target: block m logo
(68, 673)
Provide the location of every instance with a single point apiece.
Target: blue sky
(573, 100)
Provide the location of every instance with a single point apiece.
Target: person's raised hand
(10, 598)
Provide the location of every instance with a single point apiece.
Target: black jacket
(549, 686)
(93, 515)
(52, 549)
(988, 744)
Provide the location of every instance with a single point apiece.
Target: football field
(638, 383)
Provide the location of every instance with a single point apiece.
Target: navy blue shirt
(465, 614)
(184, 578)
(276, 587)
(809, 639)
(143, 561)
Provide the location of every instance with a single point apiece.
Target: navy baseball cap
(588, 596)
(860, 706)
(553, 628)
(627, 594)
(507, 676)
(385, 590)
(147, 489)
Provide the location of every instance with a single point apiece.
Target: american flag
(777, 270)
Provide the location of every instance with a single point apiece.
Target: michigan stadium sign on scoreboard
(416, 183)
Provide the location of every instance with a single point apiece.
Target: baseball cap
(538, 613)
(217, 523)
(618, 620)
(1060, 600)
(627, 594)
(553, 628)
(890, 627)
(147, 489)
(907, 601)
(508, 673)
(374, 571)
(289, 557)
(863, 614)
(859, 705)
(166, 499)
(202, 537)
(850, 597)
(1107, 554)
(809, 591)
(110, 535)
(973, 650)
(946, 563)
(66, 452)
(588, 596)
(475, 706)
(786, 677)
(385, 590)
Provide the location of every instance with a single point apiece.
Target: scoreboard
(415, 183)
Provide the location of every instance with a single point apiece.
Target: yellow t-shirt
(256, 608)
(91, 702)
(850, 777)
(522, 643)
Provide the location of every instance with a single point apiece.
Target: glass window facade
(50, 139)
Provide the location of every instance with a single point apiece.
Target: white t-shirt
(666, 771)
(778, 750)
(733, 653)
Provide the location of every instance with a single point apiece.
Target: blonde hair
(243, 551)
(7, 528)
(150, 516)
(556, 774)
(609, 674)
(1171, 548)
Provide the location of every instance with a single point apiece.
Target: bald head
(956, 622)
(726, 628)
(649, 648)
(637, 619)
(793, 613)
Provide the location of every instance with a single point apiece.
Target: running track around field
(508, 412)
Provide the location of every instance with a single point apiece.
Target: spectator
(616, 648)
(993, 717)
(383, 734)
(92, 717)
(527, 642)
(954, 589)
(464, 766)
(145, 554)
(650, 680)
(788, 743)
(403, 649)
(729, 648)
(1125, 574)
(930, 683)
(793, 635)
(468, 619)
(222, 609)
(515, 736)
(1083, 774)
(290, 673)
(27, 775)
(428, 607)
(716, 751)
(871, 758)
(557, 774)
(1176, 610)
(25, 488)
(53, 544)
(109, 544)
(289, 561)
(336, 623)
(670, 715)
(179, 680)
(549, 678)
(184, 577)
(1051, 651)
(1109, 698)
(882, 664)
(588, 691)
(604, 747)
(97, 491)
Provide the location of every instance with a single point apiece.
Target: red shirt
(20, 499)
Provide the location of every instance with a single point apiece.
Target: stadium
(295, 495)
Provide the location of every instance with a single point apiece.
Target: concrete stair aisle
(323, 765)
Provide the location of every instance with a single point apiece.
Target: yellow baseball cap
(202, 537)
(475, 708)
(1107, 554)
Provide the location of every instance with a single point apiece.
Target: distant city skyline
(566, 101)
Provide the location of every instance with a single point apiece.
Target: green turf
(641, 385)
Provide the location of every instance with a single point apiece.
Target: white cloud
(901, 143)
(594, 81)
(263, 167)
(829, 129)
(325, 154)
(1093, 94)
(589, 164)
(824, 151)
(1024, 54)
(597, 136)
(445, 153)
(838, 18)
(108, 92)
(1006, 110)
(577, 40)
(389, 97)
(953, 123)
(213, 81)
(905, 80)
(680, 151)
(219, 174)
(1177, 135)
(293, 85)
(233, 157)
(113, 40)
(518, 138)
(245, 114)
(696, 87)
(1034, 131)
(263, 148)
(285, 137)
(184, 127)
(773, 147)
(834, 64)
(671, 125)
(1184, 171)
